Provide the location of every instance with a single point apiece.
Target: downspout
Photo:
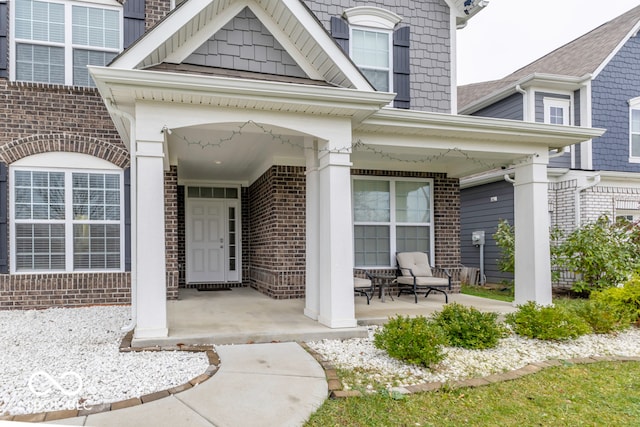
(596, 180)
(509, 179)
(525, 115)
(133, 196)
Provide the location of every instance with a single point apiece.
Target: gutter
(133, 195)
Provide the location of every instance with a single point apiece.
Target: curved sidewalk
(277, 384)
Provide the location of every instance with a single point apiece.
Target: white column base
(150, 333)
(311, 314)
(338, 323)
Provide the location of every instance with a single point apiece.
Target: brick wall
(446, 217)
(155, 10)
(277, 230)
(171, 231)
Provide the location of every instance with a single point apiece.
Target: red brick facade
(277, 230)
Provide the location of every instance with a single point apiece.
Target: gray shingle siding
(430, 45)
(245, 44)
(611, 90)
(508, 108)
(478, 212)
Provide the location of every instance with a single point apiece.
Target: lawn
(599, 394)
(497, 292)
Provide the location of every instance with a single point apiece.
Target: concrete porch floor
(243, 315)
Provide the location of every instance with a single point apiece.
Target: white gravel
(78, 348)
(373, 368)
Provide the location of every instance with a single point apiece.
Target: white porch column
(337, 306)
(312, 275)
(532, 255)
(150, 238)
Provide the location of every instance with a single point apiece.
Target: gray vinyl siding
(430, 55)
(510, 108)
(478, 212)
(611, 90)
(245, 44)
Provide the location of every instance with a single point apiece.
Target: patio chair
(416, 275)
(363, 285)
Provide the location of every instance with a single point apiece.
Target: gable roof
(290, 22)
(586, 55)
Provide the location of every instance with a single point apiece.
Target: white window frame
(389, 34)
(634, 104)
(392, 223)
(68, 222)
(563, 103)
(68, 42)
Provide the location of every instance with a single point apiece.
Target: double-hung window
(55, 41)
(391, 215)
(371, 51)
(634, 130)
(67, 221)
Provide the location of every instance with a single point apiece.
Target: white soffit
(289, 21)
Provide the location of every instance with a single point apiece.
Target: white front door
(205, 241)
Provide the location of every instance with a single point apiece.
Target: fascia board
(615, 51)
(162, 32)
(217, 86)
(481, 128)
(551, 81)
(214, 25)
(322, 38)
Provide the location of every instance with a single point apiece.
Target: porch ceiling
(232, 152)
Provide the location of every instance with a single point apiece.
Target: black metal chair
(363, 285)
(416, 275)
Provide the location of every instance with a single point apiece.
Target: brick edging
(336, 390)
(125, 347)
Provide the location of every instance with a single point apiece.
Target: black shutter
(127, 219)
(340, 32)
(4, 232)
(401, 71)
(3, 40)
(133, 21)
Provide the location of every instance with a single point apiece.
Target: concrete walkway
(275, 384)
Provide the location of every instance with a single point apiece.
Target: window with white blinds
(55, 41)
(389, 216)
(67, 220)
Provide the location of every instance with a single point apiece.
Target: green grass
(599, 394)
(494, 292)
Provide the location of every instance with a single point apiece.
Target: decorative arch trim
(36, 144)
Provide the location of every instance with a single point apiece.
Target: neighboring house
(593, 81)
(239, 143)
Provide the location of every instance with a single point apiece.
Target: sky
(509, 34)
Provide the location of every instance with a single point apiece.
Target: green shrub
(556, 322)
(624, 301)
(418, 340)
(467, 327)
(601, 254)
(600, 315)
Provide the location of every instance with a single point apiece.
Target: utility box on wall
(477, 238)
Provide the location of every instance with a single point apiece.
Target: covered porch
(244, 315)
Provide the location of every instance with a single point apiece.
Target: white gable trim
(295, 28)
(615, 51)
